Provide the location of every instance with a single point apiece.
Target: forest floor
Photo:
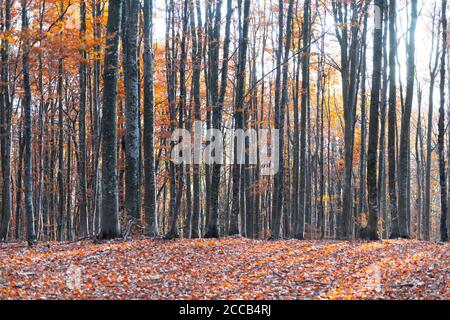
(230, 268)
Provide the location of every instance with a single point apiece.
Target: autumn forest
(334, 115)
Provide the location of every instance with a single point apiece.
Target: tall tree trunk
(132, 139)
(300, 228)
(296, 144)
(171, 57)
(441, 138)
(96, 123)
(218, 109)
(382, 205)
(26, 104)
(392, 144)
(197, 48)
(42, 193)
(61, 165)
(433, 68)
(18, 211)
(149, 152)
(276, 193)
(82, 199)
(403, 177)
(239, 110)
(212, 228)
(419, 165)
(362, 204)
(69, 220)
(182, 97)
(6, 118)
(110, 227)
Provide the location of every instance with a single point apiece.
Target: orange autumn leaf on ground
(231, 268)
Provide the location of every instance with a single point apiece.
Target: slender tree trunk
(110, 227)
(149, 152)
(218, 109)
(239, 110)
(96, 123)
(419, 166)
(69, 220)
(82, 204)
(300, 228)
(382, 205)
(392, 144)
(6, 119)
(441, 138)
(276, 193)
(433, 66)
(403, 177)
(362, 204)
(42, 202)
(132, 139)
(197, 61)
(19, 190)
(61, 165)
(182, 98)
(26, 104)
(171, 48)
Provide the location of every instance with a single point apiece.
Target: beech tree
(132, 134)
(404, 159)
(149, 101)
(109, 220)
(374, 122)
(441, 142)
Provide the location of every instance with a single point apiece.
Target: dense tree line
(91, 92)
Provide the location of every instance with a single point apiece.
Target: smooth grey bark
(392, 126)
(276, 193)
(6, 117)
(212, 87)
(321, 83)
(109, 224)
(96, 121)
(441, 137)
(61, 165)
(296, 143)
(448, 144)
(218, 109)
(196, 32)
(170, 56)
(362, 204)
(132, 134)
(239, 109)
(433, 68)
(300, 227)
(82, 158)
(151, 218)
(42, 202)
(18, 209)
(403, 168)
(419, 163)
(27, 130)
(182, 98)
(372, 188)
(68, 195)
(382, 205)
